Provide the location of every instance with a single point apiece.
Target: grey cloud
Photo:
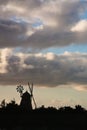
(12, 33)
(45, 70)
(49, 38)
(56, 23)
(13, 64)
(2, 2)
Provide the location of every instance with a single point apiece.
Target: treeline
(14, 117)
(12, 106)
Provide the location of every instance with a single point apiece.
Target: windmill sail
(34, 101)
(31, 91)
(20, 90)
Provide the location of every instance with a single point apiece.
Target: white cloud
(13, 7)
(3, 59)
(49, 56)
(81, 26)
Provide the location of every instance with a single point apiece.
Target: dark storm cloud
(11, 33)
(44, 69)
(19, 24)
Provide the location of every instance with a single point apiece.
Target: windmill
(31, 92)
(27, 97)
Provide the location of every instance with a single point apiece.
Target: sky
(44, 42)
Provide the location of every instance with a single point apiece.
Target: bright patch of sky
(34, 22)
(84, 16)
(19, 20)
(72, 48)
(37, 23)
(56, 50)
(60, 96)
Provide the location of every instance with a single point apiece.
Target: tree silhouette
(79, 108)
(3, 104)
(12, 103)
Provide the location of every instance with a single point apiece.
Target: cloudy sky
(44, 42)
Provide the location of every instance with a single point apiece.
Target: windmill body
(26, 101)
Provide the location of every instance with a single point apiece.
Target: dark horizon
(44, 42)
(16, 117)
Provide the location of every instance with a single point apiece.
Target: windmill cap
(26, 94)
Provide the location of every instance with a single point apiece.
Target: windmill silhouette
(27, 97)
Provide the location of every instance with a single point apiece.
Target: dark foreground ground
(66, 118)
